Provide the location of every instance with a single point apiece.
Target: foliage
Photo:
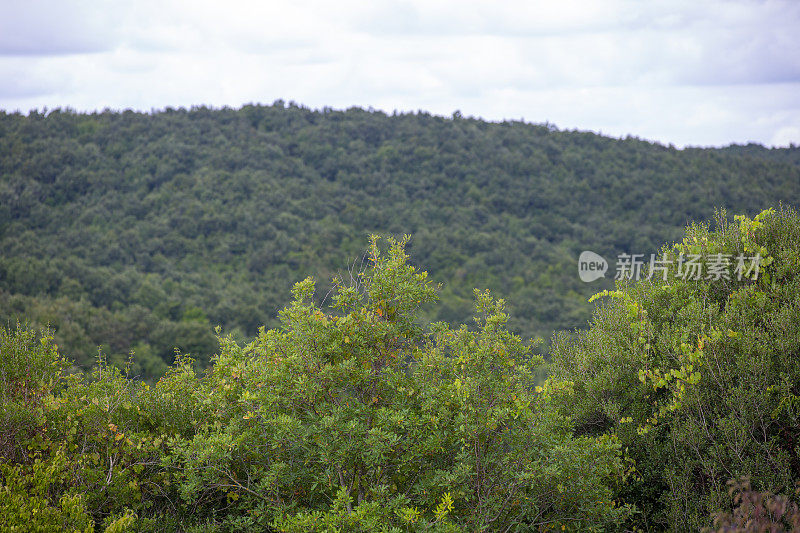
(362, 415)
(24, 502)
(143, 232)
(359, 416)
(698, 378)
(30, 370)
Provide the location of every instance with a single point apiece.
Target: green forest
(280, 319)
(144, 232)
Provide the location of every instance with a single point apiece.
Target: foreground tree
(698, 378)
(355, 417)
(361, 419)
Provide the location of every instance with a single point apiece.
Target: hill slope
(142, 231)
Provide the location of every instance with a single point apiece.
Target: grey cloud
(46, 28)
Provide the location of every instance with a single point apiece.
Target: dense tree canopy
(142, 232)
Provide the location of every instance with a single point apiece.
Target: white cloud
(785, 136)
(680, 72)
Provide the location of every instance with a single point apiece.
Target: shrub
(359, 418)
(697, 378)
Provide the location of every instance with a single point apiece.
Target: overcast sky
(684, 72)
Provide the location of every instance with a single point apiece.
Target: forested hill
(144, 231)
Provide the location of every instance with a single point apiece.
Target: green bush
(28, 501)
(361, 419)
(361, 416)
(356, 417)
(697, 378)
(30, 370)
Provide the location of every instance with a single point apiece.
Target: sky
(687, 73)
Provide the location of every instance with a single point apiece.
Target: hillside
(144, 231)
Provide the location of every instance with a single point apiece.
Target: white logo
(591, 266)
